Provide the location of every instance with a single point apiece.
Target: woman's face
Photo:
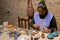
(41, 11)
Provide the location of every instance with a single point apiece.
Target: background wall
(11, 9)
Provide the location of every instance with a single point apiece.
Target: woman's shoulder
(50, 13)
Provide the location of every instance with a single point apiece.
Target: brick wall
(11, 9)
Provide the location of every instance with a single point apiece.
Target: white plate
(23, 37)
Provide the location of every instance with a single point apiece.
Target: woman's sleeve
(53, 24)
(32, 22)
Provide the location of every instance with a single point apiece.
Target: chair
(23, 23)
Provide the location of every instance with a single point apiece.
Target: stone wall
(11, 9)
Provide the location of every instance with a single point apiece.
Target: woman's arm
(32, 22)
(53, 24)
(33, 25)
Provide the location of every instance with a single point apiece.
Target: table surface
(5, 36)
(55, 38)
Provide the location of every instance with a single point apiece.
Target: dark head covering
(42, 5)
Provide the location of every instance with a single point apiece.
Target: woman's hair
(42, 5)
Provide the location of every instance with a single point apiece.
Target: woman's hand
(36, 26)
(34, 32)
(46, 30)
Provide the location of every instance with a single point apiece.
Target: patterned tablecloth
(5, 36)
(55, 38)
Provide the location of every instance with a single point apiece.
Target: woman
(43, 18)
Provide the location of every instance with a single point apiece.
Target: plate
(23, 37)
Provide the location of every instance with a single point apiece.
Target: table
(55, 38)
(5, 36)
